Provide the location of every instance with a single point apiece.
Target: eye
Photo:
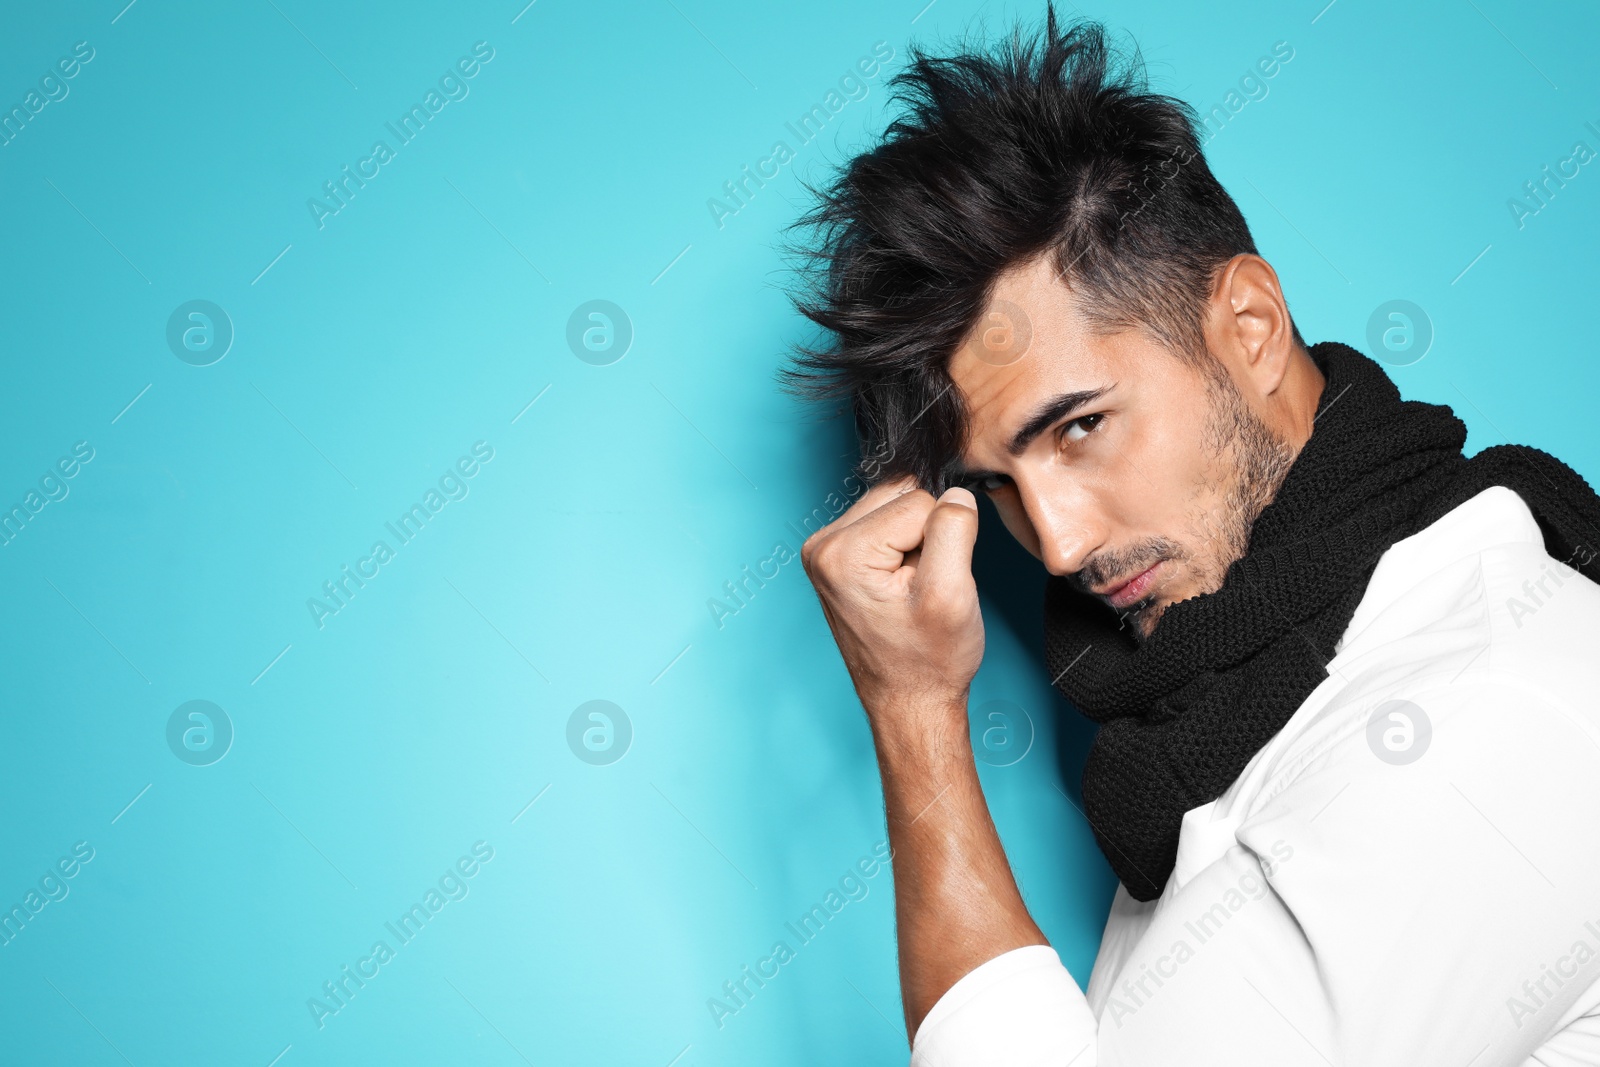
(1080, 427)
(988, 483)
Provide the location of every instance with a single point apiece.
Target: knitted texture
(1183, 712)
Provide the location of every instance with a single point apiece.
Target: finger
(875, 498)
(870, 501)
(885, 535)
(949, 534)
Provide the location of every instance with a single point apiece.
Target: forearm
(956, 902)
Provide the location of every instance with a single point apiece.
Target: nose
(1064, 521)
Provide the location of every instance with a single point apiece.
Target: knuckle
(808, 549)
(937, 602)
(824, 557)
(917, 503)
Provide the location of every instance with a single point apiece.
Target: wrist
(920, 729)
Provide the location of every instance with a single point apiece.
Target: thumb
(949, 534)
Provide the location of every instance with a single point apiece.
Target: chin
(1141, 618)
(1146, 625)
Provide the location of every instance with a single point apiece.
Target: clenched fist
(894, 574)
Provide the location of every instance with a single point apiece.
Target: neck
(1303, 384)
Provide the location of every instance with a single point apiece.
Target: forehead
(1028, 344)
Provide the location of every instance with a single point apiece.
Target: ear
(1249, 324)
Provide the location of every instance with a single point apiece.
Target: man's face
(1125, 469)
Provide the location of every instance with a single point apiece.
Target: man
(1348, 767)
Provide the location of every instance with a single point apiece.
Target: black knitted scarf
(1182, 713)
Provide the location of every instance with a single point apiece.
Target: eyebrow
(1051, 411)
(1044, 416)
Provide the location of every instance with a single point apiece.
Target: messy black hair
(1047, 146)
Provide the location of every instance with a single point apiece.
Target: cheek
(1168, 471)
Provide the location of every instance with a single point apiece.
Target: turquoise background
(372, 752)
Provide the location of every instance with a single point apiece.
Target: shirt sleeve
(1182, 999)
(1022, 1007)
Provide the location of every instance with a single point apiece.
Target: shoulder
(1477, 647)
(1446, 769)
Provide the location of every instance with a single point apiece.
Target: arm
(956, 902)
(894, 576)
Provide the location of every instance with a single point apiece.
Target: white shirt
(1339, 905)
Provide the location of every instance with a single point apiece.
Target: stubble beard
(1241, 443)
(1246, 464)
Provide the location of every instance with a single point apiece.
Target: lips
(1133, 590)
